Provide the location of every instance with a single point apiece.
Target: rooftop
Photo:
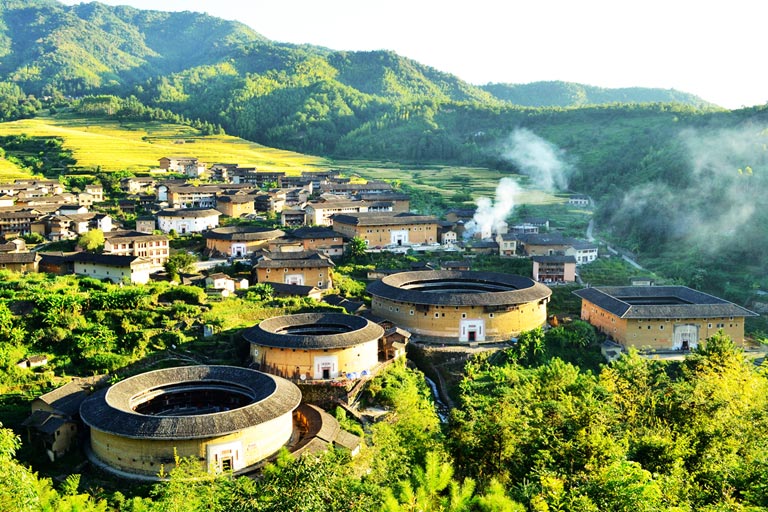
(661, 302)
(313, 331)
(459, 288)
(115, 410)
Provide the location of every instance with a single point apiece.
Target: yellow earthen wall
(380, 235)
(657, 333)
(285, 361)
(320, 277)
(444, 321)
(146, 456)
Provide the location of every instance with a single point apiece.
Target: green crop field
(448, 179)
(113, 146)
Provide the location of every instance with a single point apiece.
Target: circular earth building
(316, 346)
(226, 417)
(460, 305)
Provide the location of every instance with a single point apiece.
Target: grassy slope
(117, 146)
(138, 146)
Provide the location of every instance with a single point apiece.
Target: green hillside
(570, 94)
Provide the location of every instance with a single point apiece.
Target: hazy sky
(714, 49)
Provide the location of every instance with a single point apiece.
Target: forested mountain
(570, 94)
(665, 167)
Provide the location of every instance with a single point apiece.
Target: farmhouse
(20, 261)
(554, 269)
(320, 213)
(316, 346)
(187, 220)
(225, 417)
(238, 241)
(661, 317)
(307, 268)
(462, 306)
(112, 267)
(135, 243)
(235, 205)
(380, 228)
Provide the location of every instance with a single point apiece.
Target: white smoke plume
(537, 158)
(490, 214)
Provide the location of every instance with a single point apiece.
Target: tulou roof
(111, 410)
(660, 302)
(243, 233)
(459, 288)
(294, 259)
(314, 331)
(383, 218)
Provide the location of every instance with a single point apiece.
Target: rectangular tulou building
(661, 317)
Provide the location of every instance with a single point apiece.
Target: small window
(411, 313)
(490, 315)
(661, 327)
(437, 315)
(463, 315)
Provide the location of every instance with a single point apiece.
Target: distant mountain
(570, 94)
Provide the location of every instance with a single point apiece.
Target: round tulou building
(226, 417)
(315, 346)
(467, 306)
(239, 241)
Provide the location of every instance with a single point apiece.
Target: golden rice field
(137, 146)
(114, 146)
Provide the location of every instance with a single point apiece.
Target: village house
(661, 317)
(189, 166)
(524, 229)
(271, 201)
(238, 241)
(295, 290)
(309, 268)
(293, 218)
(382, 229)
(578, 200)
(54, 422)
(187, 220)
(399, 202)
(325, 240)
(137, 185)
(222, 172)
(134, 243)
(261, 179)
(554, 269)
(17, 223)
(20, 261)
(113, 267)
(235, 205)
(320, 213)
(544, 244)
(221, 281)
(507, 244)
(146, 224)
(583, 251)
(449, 238)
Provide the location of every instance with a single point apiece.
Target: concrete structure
(583, 251)
(460, 306)
(554, 269)
(661, 317)
(189, 220)
(507, 244)
(306, 268)
(227, 418)
(382, 229)
(316, 346)
(239, 241)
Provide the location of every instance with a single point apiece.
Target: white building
(113, 268)
(187, 220)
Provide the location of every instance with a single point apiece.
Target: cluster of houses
(321, 211)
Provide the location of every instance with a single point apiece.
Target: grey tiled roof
(690, 303)
(502, 289)
(383, 218)
(311, 331)
(243, 233)
(294, 259)
(110, 410)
